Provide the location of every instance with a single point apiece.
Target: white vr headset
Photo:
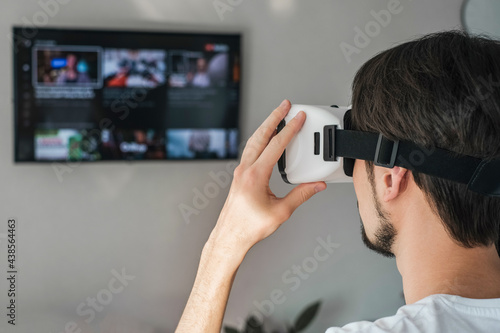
(326, 148)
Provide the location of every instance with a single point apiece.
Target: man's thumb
(302, 193)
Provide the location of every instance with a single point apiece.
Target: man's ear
(395, 182)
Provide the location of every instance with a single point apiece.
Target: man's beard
(385, 234)
(384, 238)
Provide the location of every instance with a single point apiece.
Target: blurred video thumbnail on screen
(67, 66)
(66, 145)
(133, 144)
(131, 68)
(201, 144)
(198, 69)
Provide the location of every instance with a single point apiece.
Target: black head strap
(481, 176)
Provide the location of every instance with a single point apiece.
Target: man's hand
(251, 213)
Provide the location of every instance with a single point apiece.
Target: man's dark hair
(441, 90)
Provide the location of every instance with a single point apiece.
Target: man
(442, 91)
(71, 74)
(201, 79)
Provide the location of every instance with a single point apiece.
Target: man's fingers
(278, 143)
(301, 194)
(259, 140)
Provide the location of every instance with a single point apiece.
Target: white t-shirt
(436, 313)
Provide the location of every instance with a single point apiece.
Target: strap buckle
(386, 152)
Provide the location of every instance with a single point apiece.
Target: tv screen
(98, 95)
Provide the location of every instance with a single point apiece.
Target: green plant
(253, 325)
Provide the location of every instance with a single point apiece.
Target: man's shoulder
(435, 313)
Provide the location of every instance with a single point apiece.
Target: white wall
(109, 216)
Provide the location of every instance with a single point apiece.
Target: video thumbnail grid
(162, 103)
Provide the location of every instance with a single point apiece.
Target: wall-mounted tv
(100, 95)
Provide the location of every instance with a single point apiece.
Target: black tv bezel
(193, 33)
